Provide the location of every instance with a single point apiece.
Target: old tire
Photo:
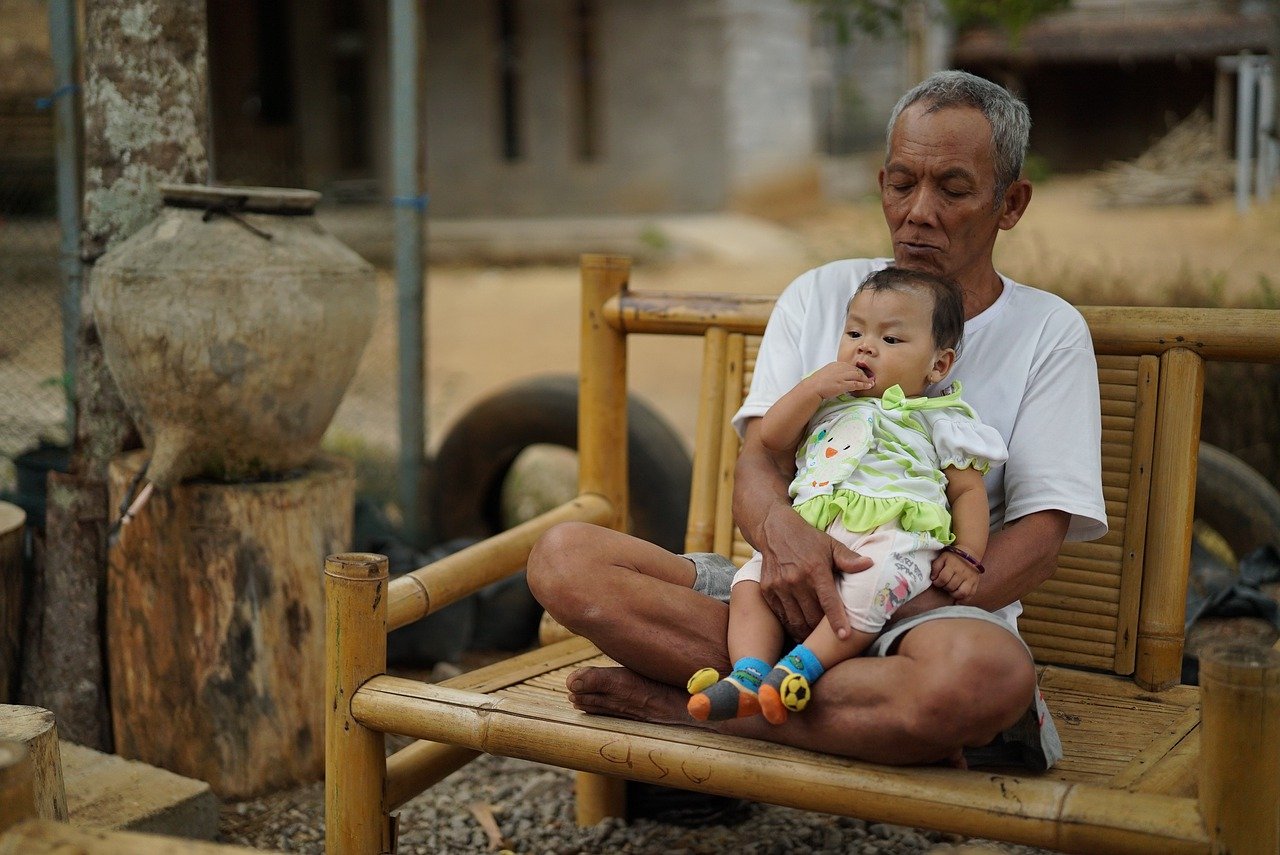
(478, 450)
(1236, 501)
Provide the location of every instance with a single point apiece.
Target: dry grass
(1185, 167)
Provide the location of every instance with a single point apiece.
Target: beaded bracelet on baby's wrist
(975, 563)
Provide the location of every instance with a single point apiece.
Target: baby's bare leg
(830, 649)
(753, 629)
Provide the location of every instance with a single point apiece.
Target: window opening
(585, 56)
(509, 79)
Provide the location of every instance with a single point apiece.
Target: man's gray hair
(1009, 117)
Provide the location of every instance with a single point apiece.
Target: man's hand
(796, 577)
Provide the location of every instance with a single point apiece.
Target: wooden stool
(215, 625)
(34, 731)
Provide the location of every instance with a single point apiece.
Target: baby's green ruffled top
(872, 460)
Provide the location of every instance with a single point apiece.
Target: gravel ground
(530, 811)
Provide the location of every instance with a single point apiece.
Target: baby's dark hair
(948, 301)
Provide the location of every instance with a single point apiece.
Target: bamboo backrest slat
(735, 355)
(704, 489)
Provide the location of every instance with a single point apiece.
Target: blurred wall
(690, 102)
(533, 107)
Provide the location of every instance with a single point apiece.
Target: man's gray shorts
(1032, 742)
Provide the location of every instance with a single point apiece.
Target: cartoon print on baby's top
(893, 595)
(834, 450)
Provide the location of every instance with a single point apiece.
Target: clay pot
(232, 324)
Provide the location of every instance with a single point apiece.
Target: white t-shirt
(1027, 367)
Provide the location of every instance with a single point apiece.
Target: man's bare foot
(623, 693)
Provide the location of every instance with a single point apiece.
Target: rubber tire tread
(1235, 500)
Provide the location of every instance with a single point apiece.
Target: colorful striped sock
(732, 697)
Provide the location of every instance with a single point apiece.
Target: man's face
(937, 189)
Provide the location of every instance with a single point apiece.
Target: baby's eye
(853, 334)
(891, 339)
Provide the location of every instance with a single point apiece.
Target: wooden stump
(12, 525)
(215, 625)
(34, 728)
(17, 795)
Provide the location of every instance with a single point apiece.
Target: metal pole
(63, 46)
(1245, 84)
(1265, 144)
(410, 215)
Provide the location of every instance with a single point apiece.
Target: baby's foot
(718, 700)
(781, 692)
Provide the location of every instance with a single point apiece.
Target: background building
(546, 107)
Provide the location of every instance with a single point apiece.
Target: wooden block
(41, 837)
(35, 729)
(108, 792)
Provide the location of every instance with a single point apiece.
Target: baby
(891, 473)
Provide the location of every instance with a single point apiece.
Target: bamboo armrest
(416, 594)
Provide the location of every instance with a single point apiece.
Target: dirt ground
(490, 326)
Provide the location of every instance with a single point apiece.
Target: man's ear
(942, 365)
(1015, 202)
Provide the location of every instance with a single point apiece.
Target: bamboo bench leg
(356, 821)
(599, 797)
(1240, 748)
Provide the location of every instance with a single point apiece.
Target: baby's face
(889, 336)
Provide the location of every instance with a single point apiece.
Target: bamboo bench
(1107, 629)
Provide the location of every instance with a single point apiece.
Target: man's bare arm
(795, 577)
(1018, 558)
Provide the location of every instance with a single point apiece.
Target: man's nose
(922, 206)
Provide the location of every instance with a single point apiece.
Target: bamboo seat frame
(1107, 629)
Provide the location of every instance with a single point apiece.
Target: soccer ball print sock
(786, 688)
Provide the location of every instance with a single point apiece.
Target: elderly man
(942, 679)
